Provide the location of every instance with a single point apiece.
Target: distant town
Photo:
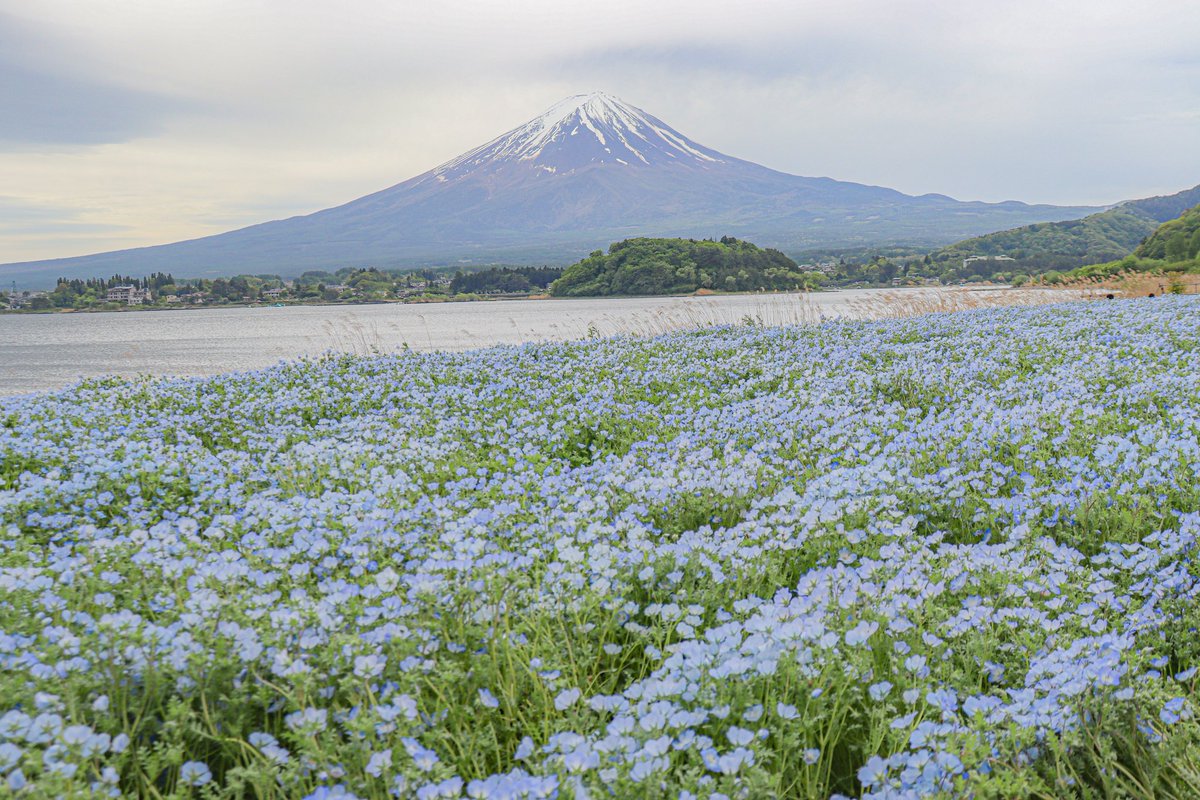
(164, 291)
(347, 285)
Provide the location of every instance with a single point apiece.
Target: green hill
(679, 266)
(1173, 247)
(1104, 236)
(1175, 240)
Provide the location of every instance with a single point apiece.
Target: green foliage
(348, 284)
(505, 280)
(1174, 247)
(680, 266)
(1174, 241)
(1103, 237)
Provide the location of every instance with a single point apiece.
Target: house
(272, 294)
(129, 295)
(967, 261)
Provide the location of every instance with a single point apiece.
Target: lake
(49, 351)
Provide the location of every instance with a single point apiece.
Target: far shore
(436, 300)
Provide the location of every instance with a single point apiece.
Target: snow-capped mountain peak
(579, 132)
(589, 171)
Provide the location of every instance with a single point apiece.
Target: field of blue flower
(949, 555)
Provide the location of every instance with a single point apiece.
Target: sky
(133, 122)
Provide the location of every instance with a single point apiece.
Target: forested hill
(1175, 240)
(1104, 236)
(679, 266)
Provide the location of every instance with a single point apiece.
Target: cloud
(176, 119)
(46, 110)
(47, 104)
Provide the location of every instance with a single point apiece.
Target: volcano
(590, 170)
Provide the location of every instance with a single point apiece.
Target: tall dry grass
(805, 309)
(1142, 284)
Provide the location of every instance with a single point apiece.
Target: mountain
(1104, 236)
(589, 171)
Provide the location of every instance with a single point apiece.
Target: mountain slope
(1105, 236)
(1175, 240)
(589, 171)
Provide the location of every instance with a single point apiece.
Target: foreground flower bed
(946, 555)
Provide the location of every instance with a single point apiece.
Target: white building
(129, 295)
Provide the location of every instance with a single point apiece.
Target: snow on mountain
(591, 170)
(583, 131)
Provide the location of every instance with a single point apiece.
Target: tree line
(647, 266)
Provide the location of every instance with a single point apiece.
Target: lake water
(50, 351)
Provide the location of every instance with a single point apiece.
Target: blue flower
(873, 772)
(487, 699)
(565, 699)
(195, 773)
(1173, 711)
(879, 691)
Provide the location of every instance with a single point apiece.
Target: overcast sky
(133, 122)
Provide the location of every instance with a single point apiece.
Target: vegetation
(1174, 241)
(505, 280)
(949, 556)
(1171, 250)
(1057, 245)
(352, 284)
(1060, 246)
(681, 266)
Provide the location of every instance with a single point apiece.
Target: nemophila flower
(45, 727)
(335, 792)
(581, 759)
(10, 755)
(337, 531)
(424, 758)
(451, 787)
(16, 780)
(487, 699)
(739, 736)
(14, 724)
(942, 699)
(1174, 710)
(643, 770)
(873, 772)
(879, 691)
(195, 773)
(566, 698)
(729, 763)
(524, 749)
(379, 762)
(369, 666)
(861, 632)
(307, 720)
(812, 755)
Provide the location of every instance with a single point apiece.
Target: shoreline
(504, 298)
